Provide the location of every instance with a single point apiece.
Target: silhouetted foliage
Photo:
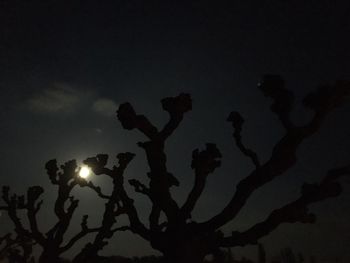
(178, 238)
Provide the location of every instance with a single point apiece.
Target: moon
(84, 172)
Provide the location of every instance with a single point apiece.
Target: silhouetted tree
(181, 240)
(113, 207)
(6, 242)
(52, 242)
(16, 250)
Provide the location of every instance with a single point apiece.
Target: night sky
(65, 68)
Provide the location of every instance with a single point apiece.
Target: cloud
(61, 98)
(104, 107)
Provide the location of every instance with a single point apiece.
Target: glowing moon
(84, 172)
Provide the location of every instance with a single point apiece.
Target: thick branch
(129, 120)
(63, 223)
(161, 179)
(52, 171)
(119, 194)
(18, 249)
(65, 186)
(283, 155)
(273, 86)
(118, 203)
(293, 212)
(136, 225)
(52, 231)
(13, 203)
(33, 195)
(139, 187)
(204, 163)
(66, 178)
(176, 107)
(237, 122)
(154, 218)
(83, 232)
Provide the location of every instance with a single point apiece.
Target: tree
(16, 250)
(52, 242)
(178, 238)
(261, 254)
(181, 240)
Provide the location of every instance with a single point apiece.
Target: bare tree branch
(296, 211)
(83, 183)
(237, 122)
(83, 232)
(17, 249)
(139, 187)
(176, 107)
(118, 203)
(177, 235)
(283, 157)
(33, 195)
(65, 187)
(273, 86)
(154, 218)
(13, 203)
(129, 120)
(161, 179)
(204, 163)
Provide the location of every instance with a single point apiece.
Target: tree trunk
(50, 255)
(183, 257)
(185, 252)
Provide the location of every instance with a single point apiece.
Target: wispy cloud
(60, 98)
(104, 107)
(64, 98)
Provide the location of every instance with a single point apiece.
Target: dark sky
(65, 67)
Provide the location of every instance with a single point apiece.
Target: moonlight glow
(84, 172)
